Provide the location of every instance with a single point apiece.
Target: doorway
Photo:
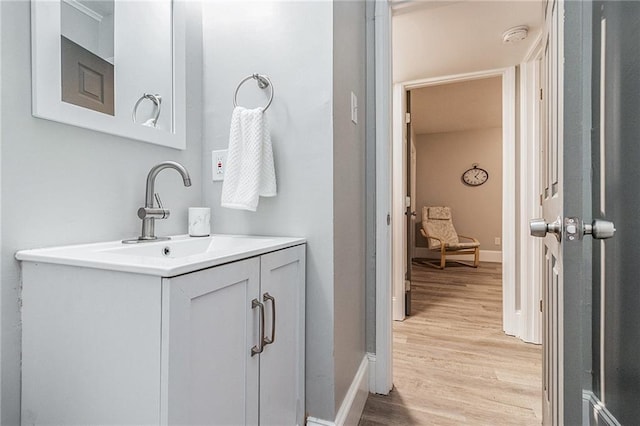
(455, 131)
(515, 298)
(505, 79)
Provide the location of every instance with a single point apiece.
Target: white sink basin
(179, 255)
(184, 246)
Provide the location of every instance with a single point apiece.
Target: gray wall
(62, 184)
(370, 155)
(292, 43)
(348, 192)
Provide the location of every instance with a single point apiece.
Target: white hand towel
(250, 170)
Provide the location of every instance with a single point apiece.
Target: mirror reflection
(87, 54)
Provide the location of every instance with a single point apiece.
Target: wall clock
(475, 176)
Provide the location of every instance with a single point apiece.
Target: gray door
(598, 296)
(615, 390)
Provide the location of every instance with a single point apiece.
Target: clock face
(475, 176)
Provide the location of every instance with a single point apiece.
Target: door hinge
(541, 94)
(388, 219)
(540, 305)
(541, 199)
(407, 117)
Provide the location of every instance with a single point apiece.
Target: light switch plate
(219, 164)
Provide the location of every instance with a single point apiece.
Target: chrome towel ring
(263, 82)
(157, 101)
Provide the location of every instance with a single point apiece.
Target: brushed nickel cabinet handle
(267, 297)
(257, 349)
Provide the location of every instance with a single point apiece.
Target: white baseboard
(313, 421)
(353, 403)
(494, 256)
(372, 372)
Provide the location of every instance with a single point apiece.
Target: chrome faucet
(149, 213)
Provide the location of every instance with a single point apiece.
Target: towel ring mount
(157, 102)
(263, 82)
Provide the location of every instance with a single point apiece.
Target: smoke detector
(515, 34)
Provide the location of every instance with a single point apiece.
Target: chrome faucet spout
(151, 178)
(149, 213)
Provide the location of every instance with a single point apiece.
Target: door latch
(599, 229)
(574, 228)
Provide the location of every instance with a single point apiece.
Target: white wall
(292, 43)
(62, 184)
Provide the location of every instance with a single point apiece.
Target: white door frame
(508, 75)
(529, 325)
(381, 379)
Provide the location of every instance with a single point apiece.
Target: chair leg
(476, 257)
(443, 256)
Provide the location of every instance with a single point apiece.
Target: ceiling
(455, 107)
(440, 38)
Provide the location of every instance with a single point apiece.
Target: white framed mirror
(114, 66)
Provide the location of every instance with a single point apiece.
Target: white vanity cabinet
(214, 320)
(110, 347)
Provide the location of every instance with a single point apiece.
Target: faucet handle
(152, 213)
(158, 200)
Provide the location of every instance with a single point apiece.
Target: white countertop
(179, 255)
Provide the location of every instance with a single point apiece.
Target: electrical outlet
(496, 241)
(219, 163)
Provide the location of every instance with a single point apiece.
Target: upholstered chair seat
(441, 235)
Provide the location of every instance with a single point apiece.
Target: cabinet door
(282, 277)
(208, 374)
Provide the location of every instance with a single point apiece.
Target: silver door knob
(540, 228)
(600, 229)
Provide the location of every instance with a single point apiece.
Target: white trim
(595, 412)
(492, 256)
(456, 78)
(508, 200)
(398, 195)
(384, 342)
(372, 372)
(353, 403)
(529, 326)
(314, 421)
(84, 9)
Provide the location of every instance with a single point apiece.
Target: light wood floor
(452, 363)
